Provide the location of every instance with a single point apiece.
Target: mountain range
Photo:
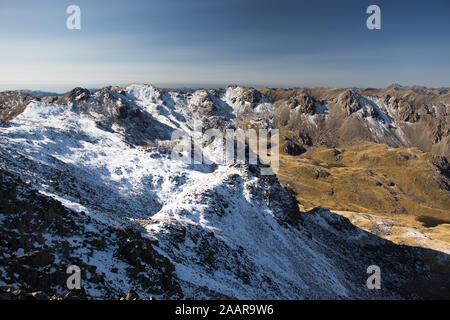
(87, 179)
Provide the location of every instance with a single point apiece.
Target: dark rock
(77, 94)
(293, 149)
(349, 101)
(36, 258)
(304, 102)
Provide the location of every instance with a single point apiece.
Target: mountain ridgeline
(87, 179)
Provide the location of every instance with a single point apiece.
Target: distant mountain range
(38, 93)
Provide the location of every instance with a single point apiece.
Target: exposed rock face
(442, 177)
(246, 96)
(12, 103)
(398, 116)
(404, 110)
(87, 179)
(77, 94)
(304, 102)
(349, 101)
(292, 148)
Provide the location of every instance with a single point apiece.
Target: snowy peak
(144, 93)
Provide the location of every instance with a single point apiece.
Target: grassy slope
(373, 184)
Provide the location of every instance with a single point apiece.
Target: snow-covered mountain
(88, 179)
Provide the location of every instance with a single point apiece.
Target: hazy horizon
(180, 87)
(193, 44)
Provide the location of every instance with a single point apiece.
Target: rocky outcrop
(304, 102)
(348, 100)
(77, 94)
(404, 110)
(12, 104)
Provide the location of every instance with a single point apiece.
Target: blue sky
(210, 43)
